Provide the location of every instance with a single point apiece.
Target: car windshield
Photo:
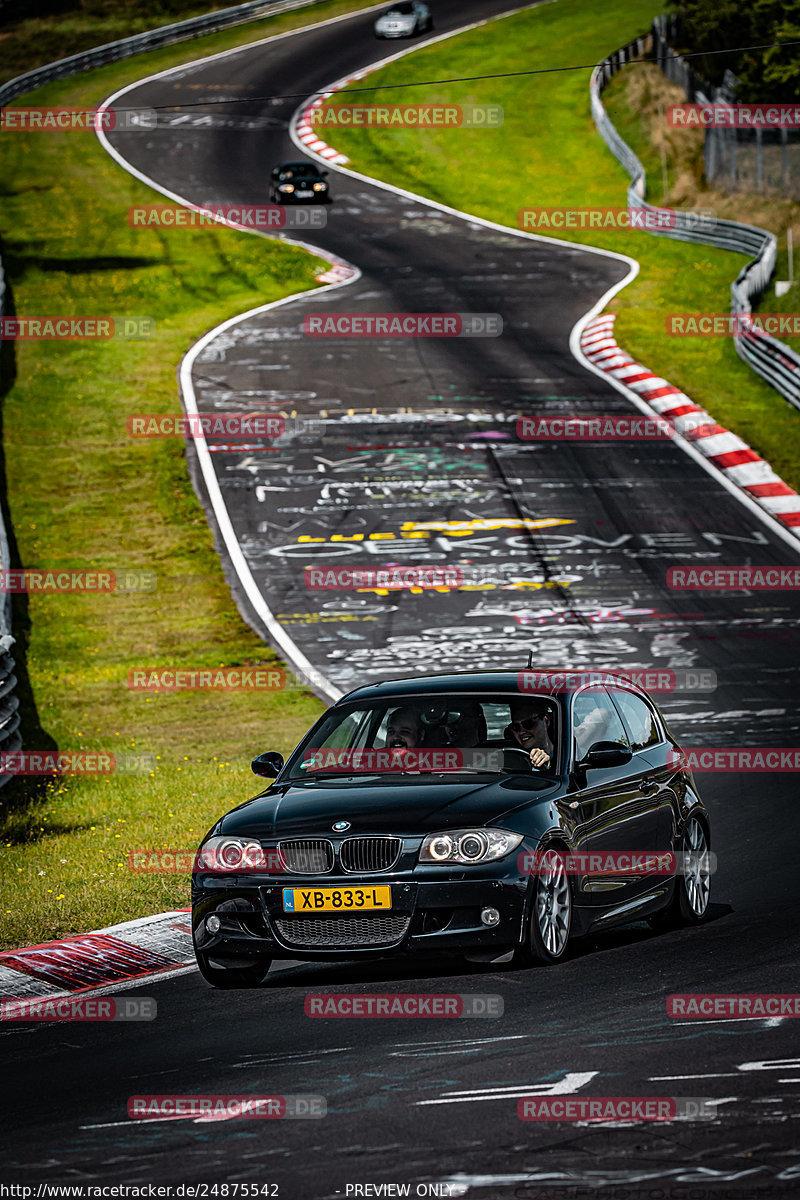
(400, 10)
(433, 734)
(299, 170)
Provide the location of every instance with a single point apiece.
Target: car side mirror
(606, 754)
(275, 172)
(268, 765)
(323, 172)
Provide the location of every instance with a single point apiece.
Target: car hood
(382, 806)
(399, 19)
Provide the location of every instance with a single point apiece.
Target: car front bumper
(426, 914)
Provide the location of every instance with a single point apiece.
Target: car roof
(300, 163)
(501, 682)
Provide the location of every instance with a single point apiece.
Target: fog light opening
(490, 916)
(213, 924)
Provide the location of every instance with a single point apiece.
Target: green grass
(80, 492)
(548, 153)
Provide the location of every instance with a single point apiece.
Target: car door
(612, 814)
(652, 749)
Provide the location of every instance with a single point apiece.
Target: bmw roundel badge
(340, 826)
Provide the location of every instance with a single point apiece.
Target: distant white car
(404, 19)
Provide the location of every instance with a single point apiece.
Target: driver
(530, 728)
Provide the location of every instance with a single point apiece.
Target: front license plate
(304, 195)
(354, 899)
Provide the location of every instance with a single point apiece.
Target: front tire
(689, 903)
(550, 922)
(220, 976)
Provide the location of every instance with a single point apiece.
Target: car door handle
(647, 786)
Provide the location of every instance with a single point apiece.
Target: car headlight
(468, 846)
(285, 187)
(320, 187)
(231, 854)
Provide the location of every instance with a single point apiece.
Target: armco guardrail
(771, 359)
(10, 735)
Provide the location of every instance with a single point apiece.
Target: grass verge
(81, 493)
(548, 153)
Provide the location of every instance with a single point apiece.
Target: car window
(639, 718)
(594, 719)
(497, 718)
(367, 737)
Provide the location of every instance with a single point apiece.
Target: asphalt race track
(419, 447)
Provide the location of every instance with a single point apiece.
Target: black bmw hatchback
(299, 182)
(490, 814)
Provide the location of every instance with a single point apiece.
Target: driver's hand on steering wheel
(539, 758)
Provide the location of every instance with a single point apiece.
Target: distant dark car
(404, 19)
(411, 818)
(299, 182)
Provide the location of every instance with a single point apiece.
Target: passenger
(531, 728)
(404, 730)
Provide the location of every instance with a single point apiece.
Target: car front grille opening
(366, 855)
(351, 932)
(307, 857)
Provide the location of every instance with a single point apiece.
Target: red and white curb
(117, 955)
(309, 136)
(339, 272)
(722, 449)
(304, 129)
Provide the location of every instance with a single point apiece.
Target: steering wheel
(518, 750)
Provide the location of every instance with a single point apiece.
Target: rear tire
(234, 976)
(689, 903)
